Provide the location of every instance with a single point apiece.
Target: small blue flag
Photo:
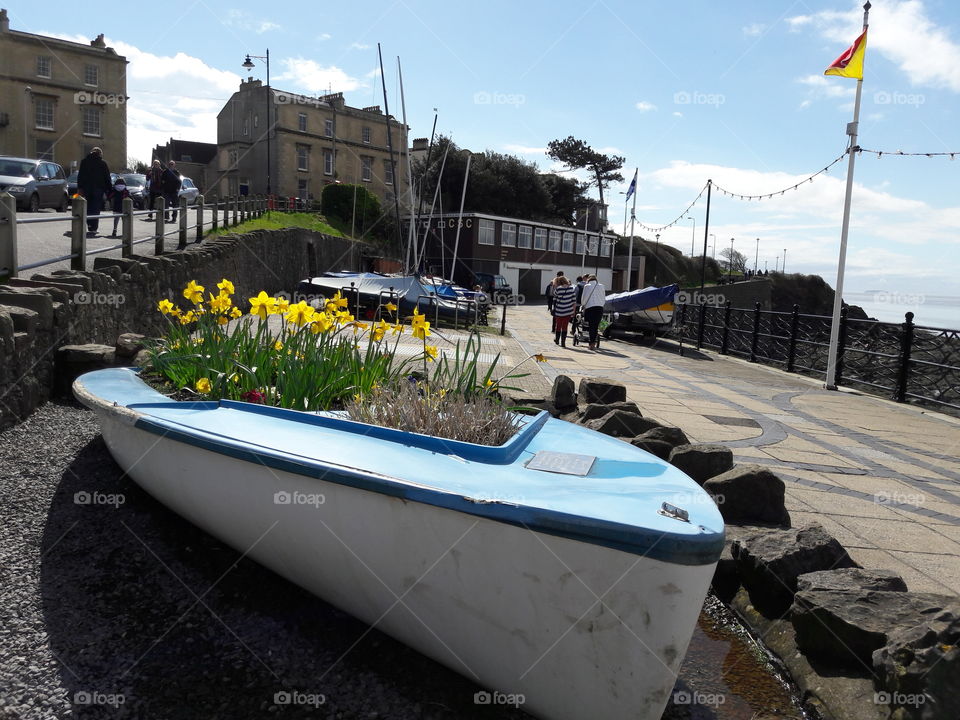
(633, 184)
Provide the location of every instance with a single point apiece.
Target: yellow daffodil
(220, 303)
(300, 314)
(321, 323)
(203, 386)
(278, 346)
(262, 305)
(490, 383)
(193, 292)
(188, 317)
(235, 312)
(235, 378)
(282, 305)
(226, 287)
(344, 317)
(430, 351)
(390, 307)
(397, 329)
(379, 330)
(165, 306)
(222, 320)
(422, 331)
(338, 300)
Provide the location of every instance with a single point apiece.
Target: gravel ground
(118, 608)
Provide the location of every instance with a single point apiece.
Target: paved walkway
(883, 478)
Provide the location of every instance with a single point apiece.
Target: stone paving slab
(883, 477)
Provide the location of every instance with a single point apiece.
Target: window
(43, 66)
(302, 122)
(581, 244)
(508, 235)
(303, 157)
(366, 169)
(44, 149)
(365, 134)
(246, 126)
(568, 242)
(540, 239)
(328, 162)
(91, 121)
(554, 241)
(525, 233)
(605, 246)
(186, 158)
(328, 127)
(487, 232)
(43, 111)
(302, 189)
(91, 75)
(388, 172)
(233, 158)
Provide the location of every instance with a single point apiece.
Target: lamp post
(248, 64)
(756, 258)
(713, 247)
(693, 233)
(776, 264)
(27, 91)
(784, 268)
(730, 264)
(656, 254)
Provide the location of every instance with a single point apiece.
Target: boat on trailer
(648, 310)
(565, 568)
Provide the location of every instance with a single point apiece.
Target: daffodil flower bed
(322, 358)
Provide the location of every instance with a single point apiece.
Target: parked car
(72, 185)
(34, 183)
(136, 186)
(188, 190)
(496, 286)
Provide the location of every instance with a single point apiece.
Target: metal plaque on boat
(561, 462)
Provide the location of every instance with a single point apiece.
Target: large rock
(770, 561)
(597, 410)
(620, 423)
(72, 361)
(851, 579)
(702, 462)
(655, 447)
(749, 494)
(673, 436)
(129, 344)
(601, 390)
(918, 670)
(563, 395)
(843, 628)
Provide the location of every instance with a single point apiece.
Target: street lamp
(656, 254)
(784, 268)
(248, 64)
(713, 247)
(693, 233)
(756, 258)
(730, 264)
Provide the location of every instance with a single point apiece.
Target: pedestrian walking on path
(93, 180)
(564, 304)
(593, 298)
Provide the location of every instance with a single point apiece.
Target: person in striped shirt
(564, 304)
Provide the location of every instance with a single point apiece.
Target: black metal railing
(902, 361)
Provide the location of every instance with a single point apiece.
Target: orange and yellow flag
(850, 63)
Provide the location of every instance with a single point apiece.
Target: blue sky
(685, 91)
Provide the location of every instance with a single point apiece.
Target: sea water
(940, 311)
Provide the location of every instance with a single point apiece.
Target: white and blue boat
(564, 568)
(650, 309)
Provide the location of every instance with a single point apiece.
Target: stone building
(314, 141)
(59, 99)
(195, 160)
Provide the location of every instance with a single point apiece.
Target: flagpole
(831, 379)
(630, 251)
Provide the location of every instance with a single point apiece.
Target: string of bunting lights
(881, 153)
(678, 219)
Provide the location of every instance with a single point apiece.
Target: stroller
(579, 329)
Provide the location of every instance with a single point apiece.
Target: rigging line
(881, 153)
(766, 196)
(664, 227)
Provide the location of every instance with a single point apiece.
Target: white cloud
(754, 29)
(903, 33)
(524, 149)
(358, 46)
(245, 21)
(324, 36)
(312, 77)
(677, 113)
(644, 106)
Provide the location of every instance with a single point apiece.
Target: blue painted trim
(677, 549)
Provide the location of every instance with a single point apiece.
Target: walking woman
(564, 303)
(593, 299)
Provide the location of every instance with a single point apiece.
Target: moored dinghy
(573, 580)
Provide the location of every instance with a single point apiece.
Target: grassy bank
(273, 220)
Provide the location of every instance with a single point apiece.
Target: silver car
(34, 183)
(188, 190)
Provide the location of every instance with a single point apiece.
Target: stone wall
(46, 312)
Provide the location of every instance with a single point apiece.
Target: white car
(188, 190)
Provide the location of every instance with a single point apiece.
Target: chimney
(98, 42)
(4, 20)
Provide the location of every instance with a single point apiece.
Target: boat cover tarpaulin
(408, 288)
(637, 300)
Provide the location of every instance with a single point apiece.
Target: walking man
(155, 185)
(93, 180)
(171, 189)
(594, 297)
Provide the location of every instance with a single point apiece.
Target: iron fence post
(755, 339)
(200, 208)
(726, 328)
(906, 348)
(792, 348)
(182, 236)
(126, 228)
(214, 221)
(235, 202)
(78, 235)
(841, 344)
(160, 208)
(8, 236)
(702, 321)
